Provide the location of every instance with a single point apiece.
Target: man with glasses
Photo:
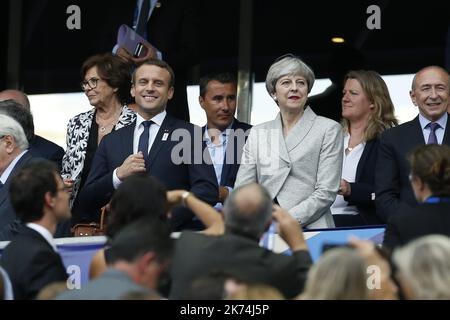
(40, 200)
(13, 155)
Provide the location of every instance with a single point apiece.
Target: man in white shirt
(40, 201)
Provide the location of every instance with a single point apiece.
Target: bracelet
(184, 197)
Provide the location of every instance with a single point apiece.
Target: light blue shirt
(442, 121)
(217, 153)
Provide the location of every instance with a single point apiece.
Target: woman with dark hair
(106, 83)
(430, 181)
(128, 205)
(367, 111)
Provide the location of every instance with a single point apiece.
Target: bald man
(39, 146)
(430, 92)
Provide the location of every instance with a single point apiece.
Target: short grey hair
(340, 274)
(425, 265)
(248, 216)
(9, 126)
(288, 65)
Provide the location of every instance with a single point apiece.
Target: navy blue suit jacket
(235, 146)
(392, 187)
(9, 224)
(199, 178)
(364, 185)
(43, 148)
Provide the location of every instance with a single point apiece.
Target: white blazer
(303, 170)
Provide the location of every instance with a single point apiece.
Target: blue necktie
(143, 139)
(432, 139)
(1, 185)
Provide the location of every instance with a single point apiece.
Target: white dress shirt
(349, 167)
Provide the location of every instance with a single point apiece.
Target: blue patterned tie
(1, 185)
(143, 139)
(432, 139)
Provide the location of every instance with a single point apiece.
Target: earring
(275, 98)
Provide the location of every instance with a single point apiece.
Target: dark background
(411, 36)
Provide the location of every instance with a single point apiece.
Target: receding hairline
(413, 85)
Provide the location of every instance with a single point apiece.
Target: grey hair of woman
(9, 126)
(286, 66)
(340, 274)
(425, 265)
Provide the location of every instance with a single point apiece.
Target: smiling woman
(106, 83)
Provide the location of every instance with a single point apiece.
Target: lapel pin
(165, 135)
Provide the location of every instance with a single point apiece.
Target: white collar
(158, 119)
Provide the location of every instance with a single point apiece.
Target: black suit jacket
(393, 190)
(425, 219)
(31, 264)
(197, 177)
(364, 186)
(43, 148)
(234, 149)
(198, 254)
(8, 221)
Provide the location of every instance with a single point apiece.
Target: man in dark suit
(165, 147)
(430, 93)
(225, 136)
(172, 27)
(248, 213)
(38, 146)
(13, 155)
(40, 200)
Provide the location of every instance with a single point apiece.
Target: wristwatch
(184, 197)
